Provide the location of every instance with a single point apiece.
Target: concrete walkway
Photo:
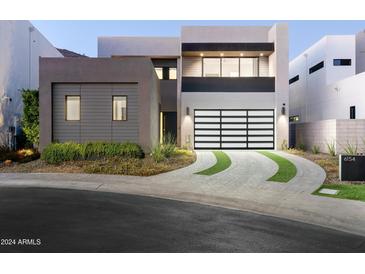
(242, 186)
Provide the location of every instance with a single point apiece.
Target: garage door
(234, 129)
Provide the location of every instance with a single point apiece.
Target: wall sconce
(283, 109)
(187, 111)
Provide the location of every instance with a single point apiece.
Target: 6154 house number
(34, 242)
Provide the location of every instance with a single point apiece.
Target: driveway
(89, 221)
(242, 186)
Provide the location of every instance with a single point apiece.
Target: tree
(30, 120)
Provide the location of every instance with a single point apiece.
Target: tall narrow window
(211, 67)
(119, 108)
(249, 67)
(159, 72)
(230, 67)
(172, 73)
(352, 112)
(72, 108)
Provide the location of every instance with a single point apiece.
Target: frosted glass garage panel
(260, 145)
(260, 132)
(234, 139)
(234, 120)
(260, 113)
(261, 119)
(266, 126)
(233, 132)
(233, 113)
(207, 145)
(240, 126)
(202, 126)
(234, 145)
(261, 138)
(207, 138)
(207, 132)
(207, 120)
(207, 113)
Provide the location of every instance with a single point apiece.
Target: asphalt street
(55, 220)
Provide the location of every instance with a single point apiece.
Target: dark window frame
(126, 108)
(66, 96)
(316, 67)
(294, 79)
(342, 62)
(352, 112)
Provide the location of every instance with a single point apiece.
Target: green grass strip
(286, 171)
(223, 162)
(351, 192)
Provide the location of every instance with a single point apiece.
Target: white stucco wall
(20, 50)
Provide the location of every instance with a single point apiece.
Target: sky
(81, 36)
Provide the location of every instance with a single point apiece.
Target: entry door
(234, 129)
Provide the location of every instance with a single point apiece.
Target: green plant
(223, 162)
(56, 153)
(331, 148)
(157, 154)
(301, 147)
(315, 149)
(168, 146)
(284, 145)
(350, 149)
(30, 120)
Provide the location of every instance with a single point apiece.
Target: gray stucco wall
(115, 75)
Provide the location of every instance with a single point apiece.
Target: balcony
(228, 84)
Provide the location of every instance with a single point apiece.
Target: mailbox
(352, 167)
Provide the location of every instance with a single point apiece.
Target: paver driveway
(242, 186)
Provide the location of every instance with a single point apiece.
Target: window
(211, 67)
(342, 62)
(352, 112)
(72, 108)
(294, 79)
(159, 72)
(230, 67)
(294, 118)
(249, 67)
(172, 73)
(119, 108)
(316, 67)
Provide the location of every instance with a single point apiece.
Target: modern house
(211, 88)
(21, 45)
(326, 93)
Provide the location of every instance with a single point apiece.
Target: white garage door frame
(234, 129)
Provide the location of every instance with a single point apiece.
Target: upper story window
(230, 67)
(294, 79)
(159, 72)
(352, 112)
(72, 108)
(249, 67)
(211, 67)
(316, 67)
(342, 62)
(119, 108)
(166, 73)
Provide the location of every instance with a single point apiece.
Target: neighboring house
(211, 88)
(69, 53)
(21, 45)
(327, 101)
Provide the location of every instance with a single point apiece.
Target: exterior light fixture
(283, 109)
(201, 54)
(222, 54)
(187, 111)
(241, 54)
(261, 54)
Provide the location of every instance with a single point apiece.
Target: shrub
(168, 146)
(331, 148)
(315, 149)
(56, 153)
(350, 149)
(30, 120)
(157, 154)
(284, 145)
(301, 147)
